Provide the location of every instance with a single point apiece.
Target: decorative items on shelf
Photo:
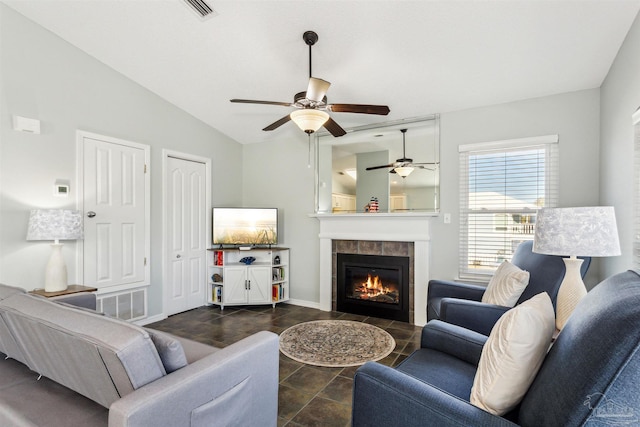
(372, 206)
(247, 260)
(217, 278)
(276, 260)
(218, 258)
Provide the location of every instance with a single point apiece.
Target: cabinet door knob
(178, 256)
(91, 214)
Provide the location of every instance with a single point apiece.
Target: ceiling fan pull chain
(309, 156)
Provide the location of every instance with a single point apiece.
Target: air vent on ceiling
(201, 8)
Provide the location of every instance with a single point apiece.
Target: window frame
(551, 185)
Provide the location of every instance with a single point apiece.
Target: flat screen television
(245, 226)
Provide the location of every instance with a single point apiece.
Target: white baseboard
(303, 303)
(152, 319)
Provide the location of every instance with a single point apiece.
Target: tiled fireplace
(404, 235)
(373, 278)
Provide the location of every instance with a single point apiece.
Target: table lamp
(582, 231)
(55, 224)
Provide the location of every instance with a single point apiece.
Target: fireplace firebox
(373, 285)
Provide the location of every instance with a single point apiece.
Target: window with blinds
(502, 186)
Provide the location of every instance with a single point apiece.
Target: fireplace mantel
(410, 227)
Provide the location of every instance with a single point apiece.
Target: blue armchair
(591, 375)
(460, 303)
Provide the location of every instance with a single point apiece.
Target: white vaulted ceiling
(418, 57)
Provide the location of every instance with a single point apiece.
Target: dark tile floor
(308, 395)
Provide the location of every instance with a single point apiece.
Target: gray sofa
(69, 366)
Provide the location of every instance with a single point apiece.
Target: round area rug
(336, 343)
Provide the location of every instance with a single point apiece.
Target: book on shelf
(278, 273)
(277, 292)
(217, 293)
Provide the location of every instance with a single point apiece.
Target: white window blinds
(502, 185)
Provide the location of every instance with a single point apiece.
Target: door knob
(178, 256)
(91, 214)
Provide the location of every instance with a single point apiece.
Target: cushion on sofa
(506, 285)
(513, 354)
(170, 350)
(97, 356)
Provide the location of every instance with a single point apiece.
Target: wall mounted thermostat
(61, 189)
(24, 124)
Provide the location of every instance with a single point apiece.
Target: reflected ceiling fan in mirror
(311, 105)
(404, 166)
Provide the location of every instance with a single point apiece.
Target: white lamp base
(55, 279)
(571, 291)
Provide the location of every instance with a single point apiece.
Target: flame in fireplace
(372, 288)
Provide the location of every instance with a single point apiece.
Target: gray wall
(46, 78)
(573, 116)
(620, 98)
(68, 90)
(276, 174)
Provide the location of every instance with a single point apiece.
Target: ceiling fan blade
(278, 123)
(251, 101)
(427, 163)
(370, 168)
(334, 128)
(424, 167)
(317, 89)
(381, 110)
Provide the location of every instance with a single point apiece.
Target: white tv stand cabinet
(265, 281)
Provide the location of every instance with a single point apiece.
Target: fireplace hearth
(373, 285)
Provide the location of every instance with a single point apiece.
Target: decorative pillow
(170, 350)
(513, 354)
(506, 285)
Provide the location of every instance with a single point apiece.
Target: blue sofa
(591, 375)
(460, 303)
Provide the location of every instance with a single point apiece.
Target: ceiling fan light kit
(312, 105)
(403, 171)
(309, 120)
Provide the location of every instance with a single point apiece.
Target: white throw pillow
(506, 285)
(513, 354)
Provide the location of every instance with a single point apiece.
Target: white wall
(46, 78)
(620, 98)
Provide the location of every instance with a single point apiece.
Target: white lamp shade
(582, 231)
(55, 224)
(308, 119)
(404, 171)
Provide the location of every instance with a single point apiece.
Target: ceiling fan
(311, 105)
(404, 166)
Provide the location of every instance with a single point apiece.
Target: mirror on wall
(351, 177)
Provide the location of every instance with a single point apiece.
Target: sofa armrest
(451, 289)
(237, 385)
(459, 342)
(383, 396)
(474, 315)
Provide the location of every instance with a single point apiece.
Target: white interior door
(114, 201)
(186, 219)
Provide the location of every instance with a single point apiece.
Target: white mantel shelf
(395, 227)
